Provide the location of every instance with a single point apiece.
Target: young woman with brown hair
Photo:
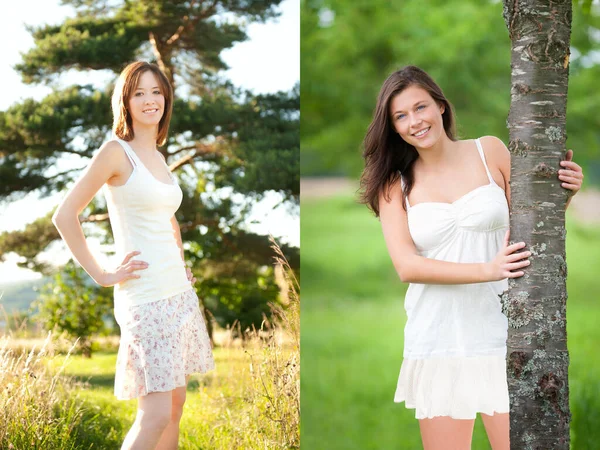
(444, 209)
(163, 332)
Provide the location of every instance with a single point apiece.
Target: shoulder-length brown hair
(386, 154)
(124, 89)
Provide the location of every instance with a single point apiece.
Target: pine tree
(221, 139)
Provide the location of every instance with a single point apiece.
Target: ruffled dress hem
(456, 387)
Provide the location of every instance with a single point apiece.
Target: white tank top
(464, 319)
(140, 213)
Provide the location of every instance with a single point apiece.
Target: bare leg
(498, 430)
(445, 433)
(153, 415)
(170, 437)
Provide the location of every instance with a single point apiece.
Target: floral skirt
(161, 343)
(456, 387)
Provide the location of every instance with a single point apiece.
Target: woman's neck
(144, 138)
(440, 155)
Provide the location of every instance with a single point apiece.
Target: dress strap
(406, 199)
(129, 152)
(480, 148)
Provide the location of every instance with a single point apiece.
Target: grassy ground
(250, 401)
(352, 334)
(212, 400)
(53, 399)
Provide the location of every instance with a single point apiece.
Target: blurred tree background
(229, 147)
(462, 44)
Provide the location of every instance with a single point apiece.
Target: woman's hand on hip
(507, 261)
(190, 275)
(571, 174)
(125, 271)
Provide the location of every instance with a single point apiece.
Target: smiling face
(416, 117)
(147, 101)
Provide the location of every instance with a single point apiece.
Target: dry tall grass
(267, 379)
(255, 404)
(276, 373)
(38, 408)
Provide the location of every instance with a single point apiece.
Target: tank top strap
(406, 199)
(129, 152)
(480, 149)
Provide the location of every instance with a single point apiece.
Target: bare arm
(413, 268)
(498, 155)
(103, 166)
(177, 232)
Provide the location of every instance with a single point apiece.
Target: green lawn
(352, 334)
(215, 414)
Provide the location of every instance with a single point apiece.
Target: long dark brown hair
(386, 154)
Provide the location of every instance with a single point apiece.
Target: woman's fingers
(517, 265)
(570, 173)
(572, 180)
(129, 256)
(569, 155)
(514, 274)
(138, 263)
(573, 187)
(570, 165)
(514, 247)
(517, 256)
(190, 275)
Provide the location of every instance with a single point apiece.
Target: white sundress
(455, 336)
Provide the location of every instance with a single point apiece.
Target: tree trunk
(537, 356)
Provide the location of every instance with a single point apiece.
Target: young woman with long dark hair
(163, 333)
(444, 209)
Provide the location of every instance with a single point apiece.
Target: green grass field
(214, 413)
(55, 399)
(352, 325)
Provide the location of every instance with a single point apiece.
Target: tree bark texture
(535, 304)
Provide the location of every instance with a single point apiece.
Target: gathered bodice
(434, 224)
(463, 319)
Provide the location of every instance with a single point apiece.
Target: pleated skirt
(161, 343)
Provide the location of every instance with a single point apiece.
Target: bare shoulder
(394, 190)
(495, 149)
(104, 165)
(110, 158)
(110, 151)
(496, 155)
(390, 200)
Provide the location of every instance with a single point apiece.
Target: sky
(268, 61)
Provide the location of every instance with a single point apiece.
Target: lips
(419, 134)
(150, 111)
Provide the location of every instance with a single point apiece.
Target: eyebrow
(419, 102)
(155, 87)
